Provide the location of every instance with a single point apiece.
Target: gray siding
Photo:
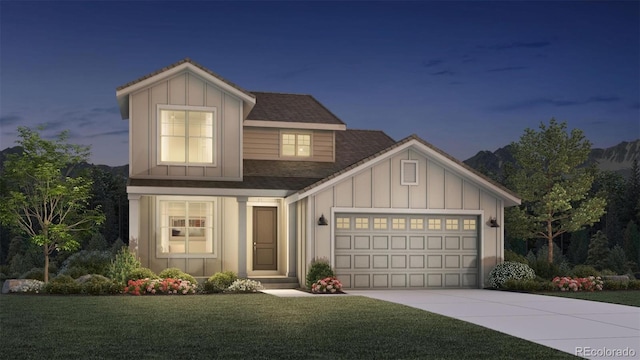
(264, 144)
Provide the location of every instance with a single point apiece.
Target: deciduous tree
(42, 199)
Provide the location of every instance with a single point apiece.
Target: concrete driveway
(587, 329)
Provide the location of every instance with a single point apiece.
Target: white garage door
(406, 251)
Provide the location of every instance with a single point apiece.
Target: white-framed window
(417, 224)
(380, 223)
(362, 223)
(398, 224)
(469, 224)
(343, 223)
(295, 144)
(451, 224)
(409, 172)
(186, 135)
(186, 227)
(434, 224)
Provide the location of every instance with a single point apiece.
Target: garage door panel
(361, 242)
(404, 252)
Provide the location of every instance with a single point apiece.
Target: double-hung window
(298, 145)
(186, 227)
(186, 135)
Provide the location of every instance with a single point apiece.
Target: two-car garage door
(406, 251)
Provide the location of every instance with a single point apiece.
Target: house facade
(261, 183)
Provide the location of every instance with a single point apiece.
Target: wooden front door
(265, 238)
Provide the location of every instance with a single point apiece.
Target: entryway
(265, 238)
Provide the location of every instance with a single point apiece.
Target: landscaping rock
(616, 277)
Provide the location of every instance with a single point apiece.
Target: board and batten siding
(379, 188)
(264, 144)
(185, 89)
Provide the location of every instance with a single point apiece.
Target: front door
(265, 238)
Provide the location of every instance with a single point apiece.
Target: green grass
(624, 297)
(242, 326)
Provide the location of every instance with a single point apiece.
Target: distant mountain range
(618, 158)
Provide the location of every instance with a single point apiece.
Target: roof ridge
(278, 93)
(329, 111)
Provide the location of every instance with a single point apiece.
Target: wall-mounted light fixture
(493, 222)
(322, 221)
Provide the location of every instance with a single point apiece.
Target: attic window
(409, 172)
(296, 145)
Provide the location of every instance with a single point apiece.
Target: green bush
(141, 273)
(633, 285)
(318, 270)
(100, 285)
(75, 272)
(62, 284)
(539, 262)
(584, 271)
(175, 273)
(529, 285)
(509, 270)
(95, 262)
(615, 284)
(123, 264)
(220, 281)
(512, 256)
(35, 274)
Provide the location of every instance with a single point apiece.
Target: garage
(406, 251)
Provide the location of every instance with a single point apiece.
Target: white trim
(186, 67)
(210, 109)
(511, 200)
(294, 125)
(295, 133)
(214, 233)
(403, 181)
(153, 190)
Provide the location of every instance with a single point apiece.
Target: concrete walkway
(587, 329)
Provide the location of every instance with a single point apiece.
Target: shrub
(75, 272)
(319, 269)
(35, 274)
(326, 286)
(62, 284)
(141, 273)
(617, 260)
(509, 270)
(220, 281)
(123, 264)
(528, 285)
(616, 284)
(95, 262)
(633, 285)
(99, 285)
(168, 286)
(175, 273)
(28, 286)
(245, 286)
(583, 271)
(591, 283)
(512, 256)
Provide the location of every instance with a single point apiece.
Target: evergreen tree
(632, 243)
(598, 254)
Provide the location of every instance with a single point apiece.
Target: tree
(598, 251)
(551, 178)
(42, 200)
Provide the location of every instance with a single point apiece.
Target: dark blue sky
(465, 76)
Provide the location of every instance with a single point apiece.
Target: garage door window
(435, 224)
(362, 223)
(398, 224)
(417, 224)
(469, 224)
(380, 223)
(451, 224)
(343, 223)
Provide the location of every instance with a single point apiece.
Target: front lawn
(624, 297)
(242, 326)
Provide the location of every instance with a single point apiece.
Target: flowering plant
(26, 286)
(160, 286)
(326, 285)
(591, 283)
(245, 285)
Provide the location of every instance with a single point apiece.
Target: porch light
(322, 221)
(493, 222)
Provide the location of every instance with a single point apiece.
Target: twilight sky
(465, 76)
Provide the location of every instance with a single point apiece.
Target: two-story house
(260, 183)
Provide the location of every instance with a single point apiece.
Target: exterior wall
(378, 188)
(226, 247)
(185, 89)
(264, 144)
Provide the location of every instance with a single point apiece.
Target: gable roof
(123, 91)
(413, 140)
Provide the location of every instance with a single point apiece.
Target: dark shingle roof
(291, 108)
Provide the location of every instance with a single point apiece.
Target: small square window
(451, 224)
(435, 224)
(469, 224)
(343, 223)
(417, 224)
(379, 223)
(398, 224)
(362, 223)
(298, 145)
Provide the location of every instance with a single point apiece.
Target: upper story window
(294, 144)
(186, 135)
